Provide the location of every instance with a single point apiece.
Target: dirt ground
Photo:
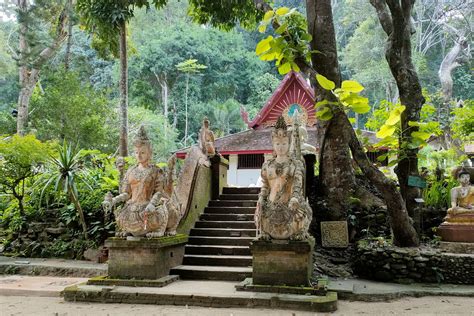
(433, 305)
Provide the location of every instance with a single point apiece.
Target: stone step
(228, 241)
(223, 232)
(230, 210)
(226, 217)
(225, 224)
(224, 203)
(212, 272)
(228, 190)
(218, 260)
(253, 197)
(217, 250)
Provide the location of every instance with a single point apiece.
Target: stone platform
(142, 258)
(457, 247)
(282, 262)
(218, 294)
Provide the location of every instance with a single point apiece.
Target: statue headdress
(142, 137)
(280, 130)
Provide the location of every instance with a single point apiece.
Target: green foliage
(438, 192)
(73, 111)
(20, 159)
(290, 42)
(463, 123)
(105, 18)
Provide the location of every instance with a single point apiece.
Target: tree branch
(383, 15)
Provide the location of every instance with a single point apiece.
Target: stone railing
(406, 265)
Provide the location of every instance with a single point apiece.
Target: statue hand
(150, 208)
(294, 203)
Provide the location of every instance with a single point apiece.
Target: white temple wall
(241, 177)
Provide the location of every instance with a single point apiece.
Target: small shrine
(247, 151)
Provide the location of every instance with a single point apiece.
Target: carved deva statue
(206, 139)
(462, 200)
(150, 208)
(282, 210)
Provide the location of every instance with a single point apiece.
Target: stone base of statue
(142, 258)
(457, 232)
(457, 247)
(282, 262)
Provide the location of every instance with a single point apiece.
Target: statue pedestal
(142, 258)
(456, 232)
(282, 262)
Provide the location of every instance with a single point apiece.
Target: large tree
(107, 20)
(321, 27)
(32, 52)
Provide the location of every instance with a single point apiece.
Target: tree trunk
(451, 61)
(335, 163)
(67, 56)
(396, 22)
(29, 69)
(77, 205)
(175, 116)
(186, 112)
(123, 86)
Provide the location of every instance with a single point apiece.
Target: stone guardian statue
(282, 211)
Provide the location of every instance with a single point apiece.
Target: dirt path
(434, 305)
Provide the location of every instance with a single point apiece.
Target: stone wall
(405, 265)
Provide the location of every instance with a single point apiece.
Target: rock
(55, 230)
(92, 254)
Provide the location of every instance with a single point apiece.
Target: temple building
(247, 150)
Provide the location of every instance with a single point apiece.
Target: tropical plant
(64, 172)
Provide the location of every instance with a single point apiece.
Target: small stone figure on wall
(206, 139)
(282, 211)
(147, 194)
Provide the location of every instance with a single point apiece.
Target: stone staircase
(218, 247)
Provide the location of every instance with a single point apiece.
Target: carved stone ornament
(334, 234)
(282, 211)
(148, 205)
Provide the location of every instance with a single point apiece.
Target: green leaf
(263, 45)
(282, 28)
(395, 115)
(295, 67)
(262, 28)
(268, 15)
(385, 131)
(361, 108)
(351, 86)
(284, 68)
(420, 135)
(382, 157)
(325, 114)
(282, 11)
(307, 37)
(325, 83)
(321, 103)
(352, 120)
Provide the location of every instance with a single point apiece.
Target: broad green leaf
(420, 135)
(413, 123)
(325, 114)
(351, 86)
(361, 108)
(325, 83)
(307, 37)
(395, 115)
(382, 157)
(262, 28)
(282, 28)
(284, 68)
(385, 131)
(295, 67)
(268, 15)
(352, 120)
(392, 163)
(263, 45)
(282, 11)
(321, 103)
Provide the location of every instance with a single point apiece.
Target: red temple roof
(292, 93)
